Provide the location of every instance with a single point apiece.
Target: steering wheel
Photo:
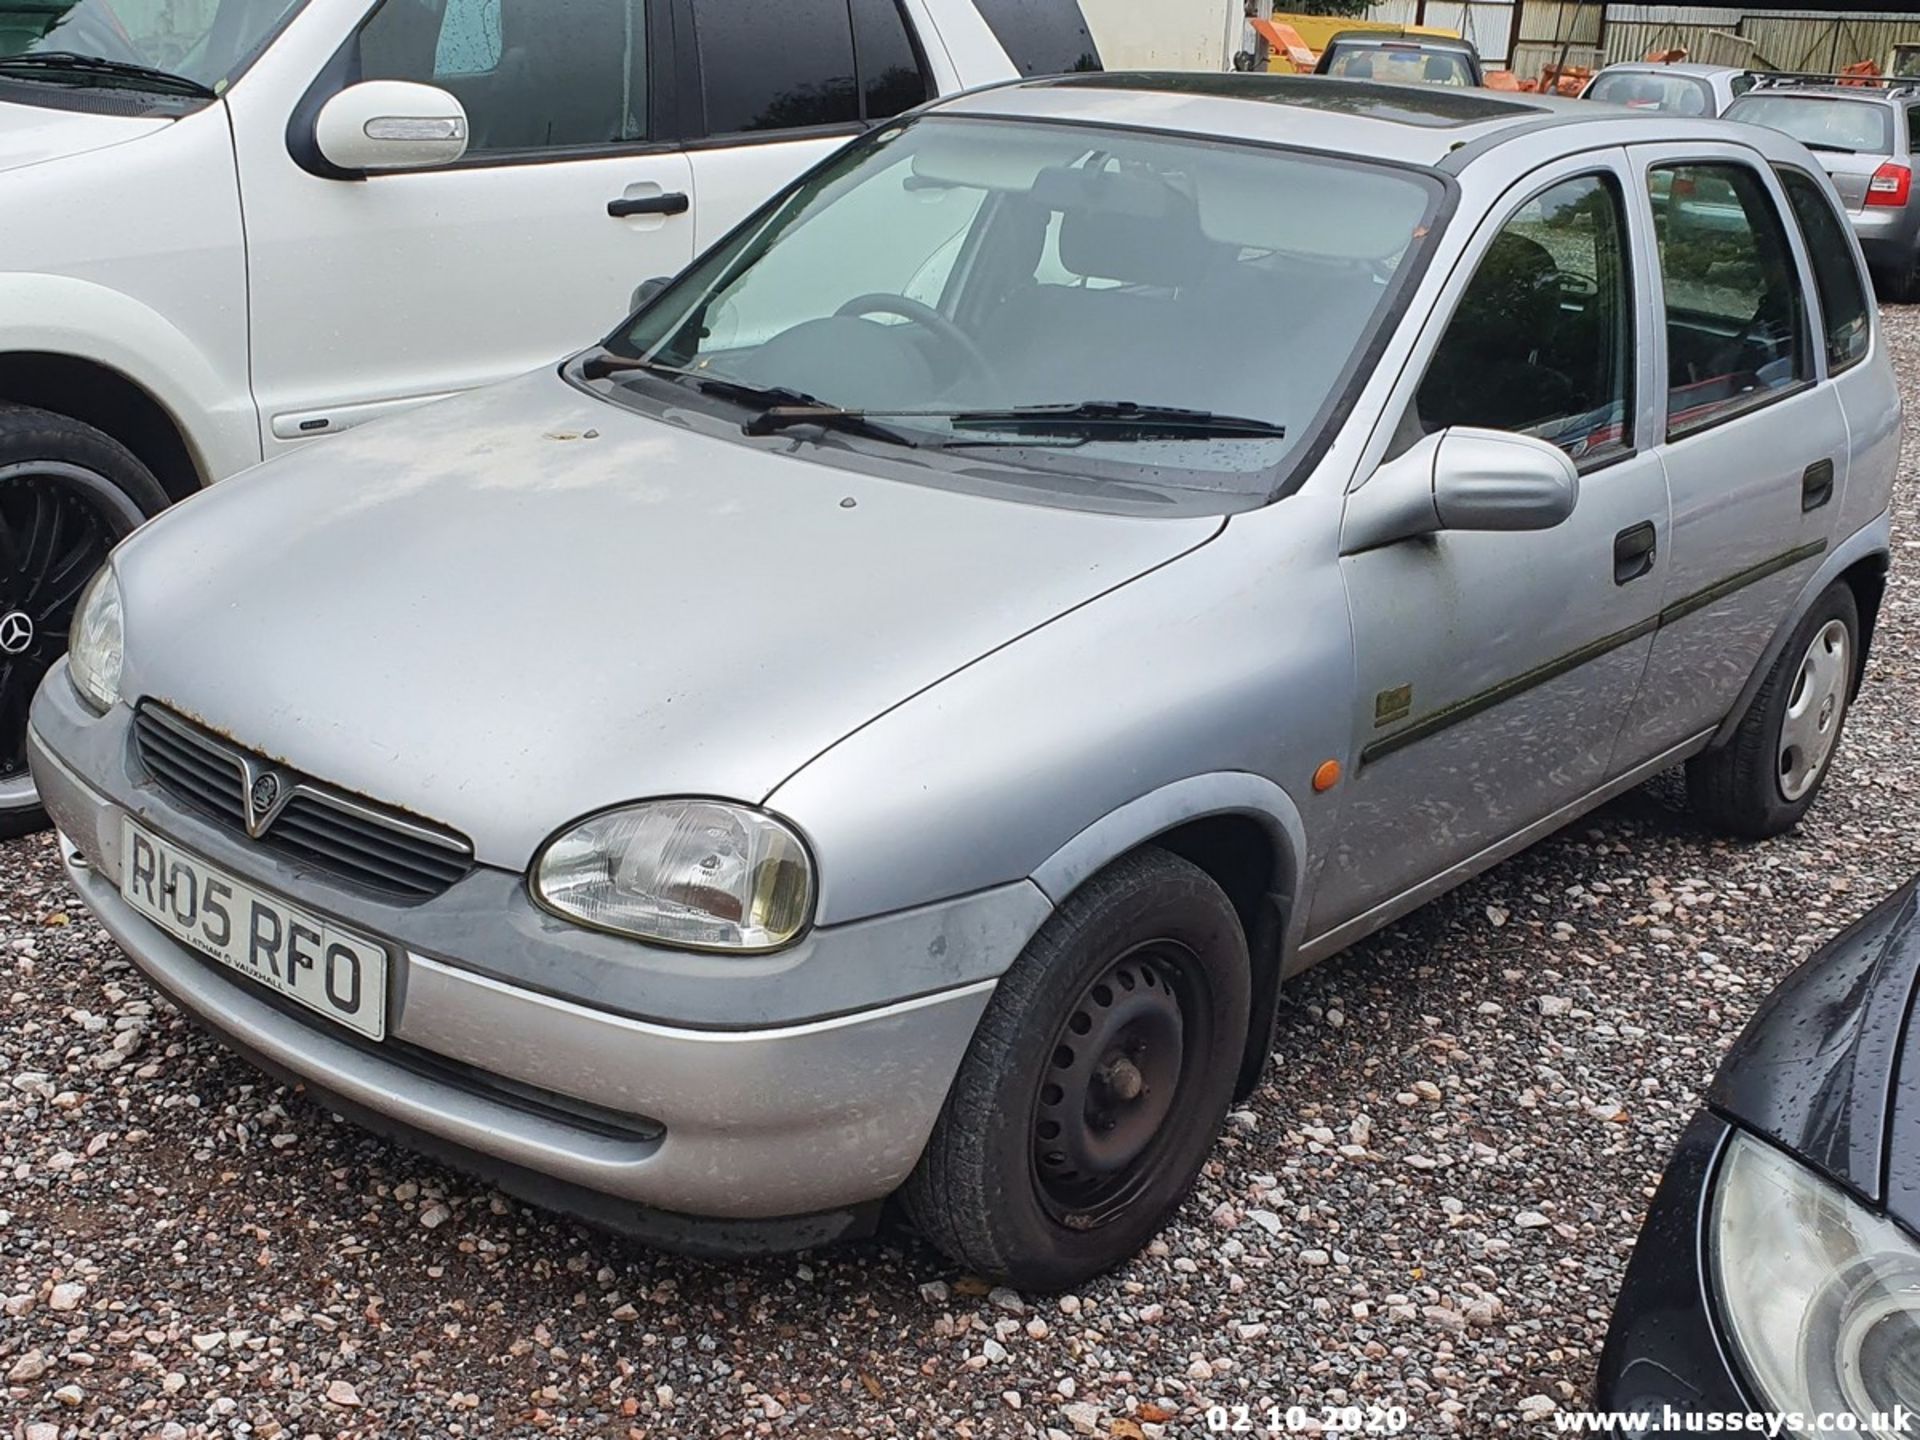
(880, 303)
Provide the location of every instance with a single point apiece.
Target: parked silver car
(1864, 131)
(889, 719)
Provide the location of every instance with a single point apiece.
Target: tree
(1327, 7)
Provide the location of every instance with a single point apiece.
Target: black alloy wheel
(68, 495)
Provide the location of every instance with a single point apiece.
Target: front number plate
(339, 974)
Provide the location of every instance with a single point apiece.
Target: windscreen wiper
(785, 405)
(1083, 417)
(70, 64)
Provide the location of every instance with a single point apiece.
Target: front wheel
(1097, 1081)
(68, 493)
(1764, 779)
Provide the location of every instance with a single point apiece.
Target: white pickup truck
(228, 227)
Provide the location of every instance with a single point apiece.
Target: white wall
(1165, 34)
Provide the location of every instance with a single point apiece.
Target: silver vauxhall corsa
(886, 722)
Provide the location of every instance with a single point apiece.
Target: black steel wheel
(1096, 1082)
(1115, 1072)
(68, 494)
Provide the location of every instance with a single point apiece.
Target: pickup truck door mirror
(391, 125)
(1463, 478)
(646, 290)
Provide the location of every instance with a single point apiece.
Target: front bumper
(1664, 1351)
(629, 1117)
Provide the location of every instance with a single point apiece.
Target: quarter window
(1542, 340)
(1843, 297)
(1735, 327)
(892, 78)
(532, 74)
(776, 67)
(1041, 37)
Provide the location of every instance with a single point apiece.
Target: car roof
(1418, 124)
(1674, 67)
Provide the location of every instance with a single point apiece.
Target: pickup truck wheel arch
(101, 397)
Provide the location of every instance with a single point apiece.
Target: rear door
(1754, 440)
(775, 89)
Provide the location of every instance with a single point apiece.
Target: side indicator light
(1327, 776)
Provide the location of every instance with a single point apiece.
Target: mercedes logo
(266, 790)
(16, 633)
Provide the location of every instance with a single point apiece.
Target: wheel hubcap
(1815, 708)
(57, 523)
(1110, 1086)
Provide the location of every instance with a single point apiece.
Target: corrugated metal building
(1765, 37)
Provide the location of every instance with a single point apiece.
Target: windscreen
(204, 41)
(951, 267)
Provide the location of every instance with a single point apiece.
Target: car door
(1753, 437)
(778, 88)
(376, 292)
(1495, 669)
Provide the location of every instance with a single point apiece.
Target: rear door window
(1843, 295)
(1735, 328)
(776, 67)
(1042, 37)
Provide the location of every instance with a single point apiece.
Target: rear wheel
(1096, 1083)
(68, 493)
(1764, 779)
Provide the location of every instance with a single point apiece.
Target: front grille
(326, 828)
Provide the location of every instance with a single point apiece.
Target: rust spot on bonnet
(225, 733)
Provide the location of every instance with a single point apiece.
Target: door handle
(671, 203)
(1816, 485)
(1633, 552)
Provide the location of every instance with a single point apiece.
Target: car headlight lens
(1821, 1294)
(95, 645)
(701, 874)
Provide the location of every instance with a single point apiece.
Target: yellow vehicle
(1312, 32)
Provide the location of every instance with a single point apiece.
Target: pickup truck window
(532, 74)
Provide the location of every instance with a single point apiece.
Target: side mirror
(1462, 479)
(391, 125)
(646, 290)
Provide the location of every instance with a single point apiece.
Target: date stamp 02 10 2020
(1306, 1420)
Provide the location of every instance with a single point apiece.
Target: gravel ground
(1429, 1203)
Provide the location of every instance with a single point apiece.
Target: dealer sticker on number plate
(305, 958)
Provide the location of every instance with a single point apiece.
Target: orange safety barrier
(1285, 40)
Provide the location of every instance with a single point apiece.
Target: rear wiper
(1829, 149)
(83, 67)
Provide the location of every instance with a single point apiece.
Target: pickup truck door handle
(1816, 485)
(1633, 552)
(671, 203)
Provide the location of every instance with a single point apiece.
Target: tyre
(1762, 780)
(68, 493)
(1096, 1083)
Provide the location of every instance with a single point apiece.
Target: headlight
(701, 874)
(95, 645)
(1821, 1294)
